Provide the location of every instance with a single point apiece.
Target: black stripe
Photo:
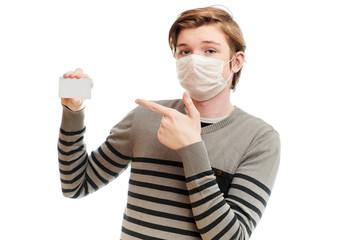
(166, 215)
(72, 161)
(226, 229)
(237, 233)
(214, 223)
(248, 229)
(158, 187)
(138, 235)
(247, 215)
(202, 187)
(161, 227)
(200, 175)
(118, 165)
(116, 153)
(71, 152)
(255, 181)
(250, 192)
(90, 181)
(102, 167)
(72, 133)
(69, 190)
(77, 194)
(73, 180)
(159, 200)
(247, 204)
(159, 161)
(84, 185)
(206, 199)
(68, 144)
(86, 188)
(209, 211)
(97, 174)
(158, 174)
(76, 168)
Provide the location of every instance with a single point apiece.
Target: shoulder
(250, 125)
(260, 134)
(255, 132)
(253, 122)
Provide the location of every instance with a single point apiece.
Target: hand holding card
(74, 87)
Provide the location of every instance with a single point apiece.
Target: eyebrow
(211, 42)
(203, 42)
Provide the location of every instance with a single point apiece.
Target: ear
(237, 62)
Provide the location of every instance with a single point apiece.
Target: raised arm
(82, 173)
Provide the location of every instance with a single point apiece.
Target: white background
(302, 76)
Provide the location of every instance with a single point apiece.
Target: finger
(78, 73)
(188, 103)
(155, 107)
(66, 75)
(81, 75)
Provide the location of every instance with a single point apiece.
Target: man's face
(208, 41)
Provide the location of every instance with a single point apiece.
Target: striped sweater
(217, 188)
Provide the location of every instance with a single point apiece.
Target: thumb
(188, 103)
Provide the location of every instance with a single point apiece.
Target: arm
(82, 173)
(233, 216)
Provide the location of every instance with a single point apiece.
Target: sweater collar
(222, 123)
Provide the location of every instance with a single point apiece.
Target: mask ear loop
(230, 60)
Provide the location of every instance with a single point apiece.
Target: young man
(201, 168)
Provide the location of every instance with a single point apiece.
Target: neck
(216, 107)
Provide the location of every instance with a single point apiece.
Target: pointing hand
(176, 130)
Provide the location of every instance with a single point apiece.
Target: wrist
(195, 158)
(74, 109)
(72, 120)
(74, 105)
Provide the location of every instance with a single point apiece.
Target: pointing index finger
(155, 107)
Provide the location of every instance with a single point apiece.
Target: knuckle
(159, 134)
(164, 123)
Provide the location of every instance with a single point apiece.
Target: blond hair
(210, 15)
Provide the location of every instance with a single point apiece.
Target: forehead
(209, 32)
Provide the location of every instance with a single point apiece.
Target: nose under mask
(201, 77)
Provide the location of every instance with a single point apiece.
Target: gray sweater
(217, 188)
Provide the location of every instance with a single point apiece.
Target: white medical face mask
(201, 77)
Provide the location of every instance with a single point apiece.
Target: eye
(210, 51)
(184, 52)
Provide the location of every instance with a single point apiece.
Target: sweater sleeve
(82, 173)
(233, 216)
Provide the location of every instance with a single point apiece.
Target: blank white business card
(75, 88)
